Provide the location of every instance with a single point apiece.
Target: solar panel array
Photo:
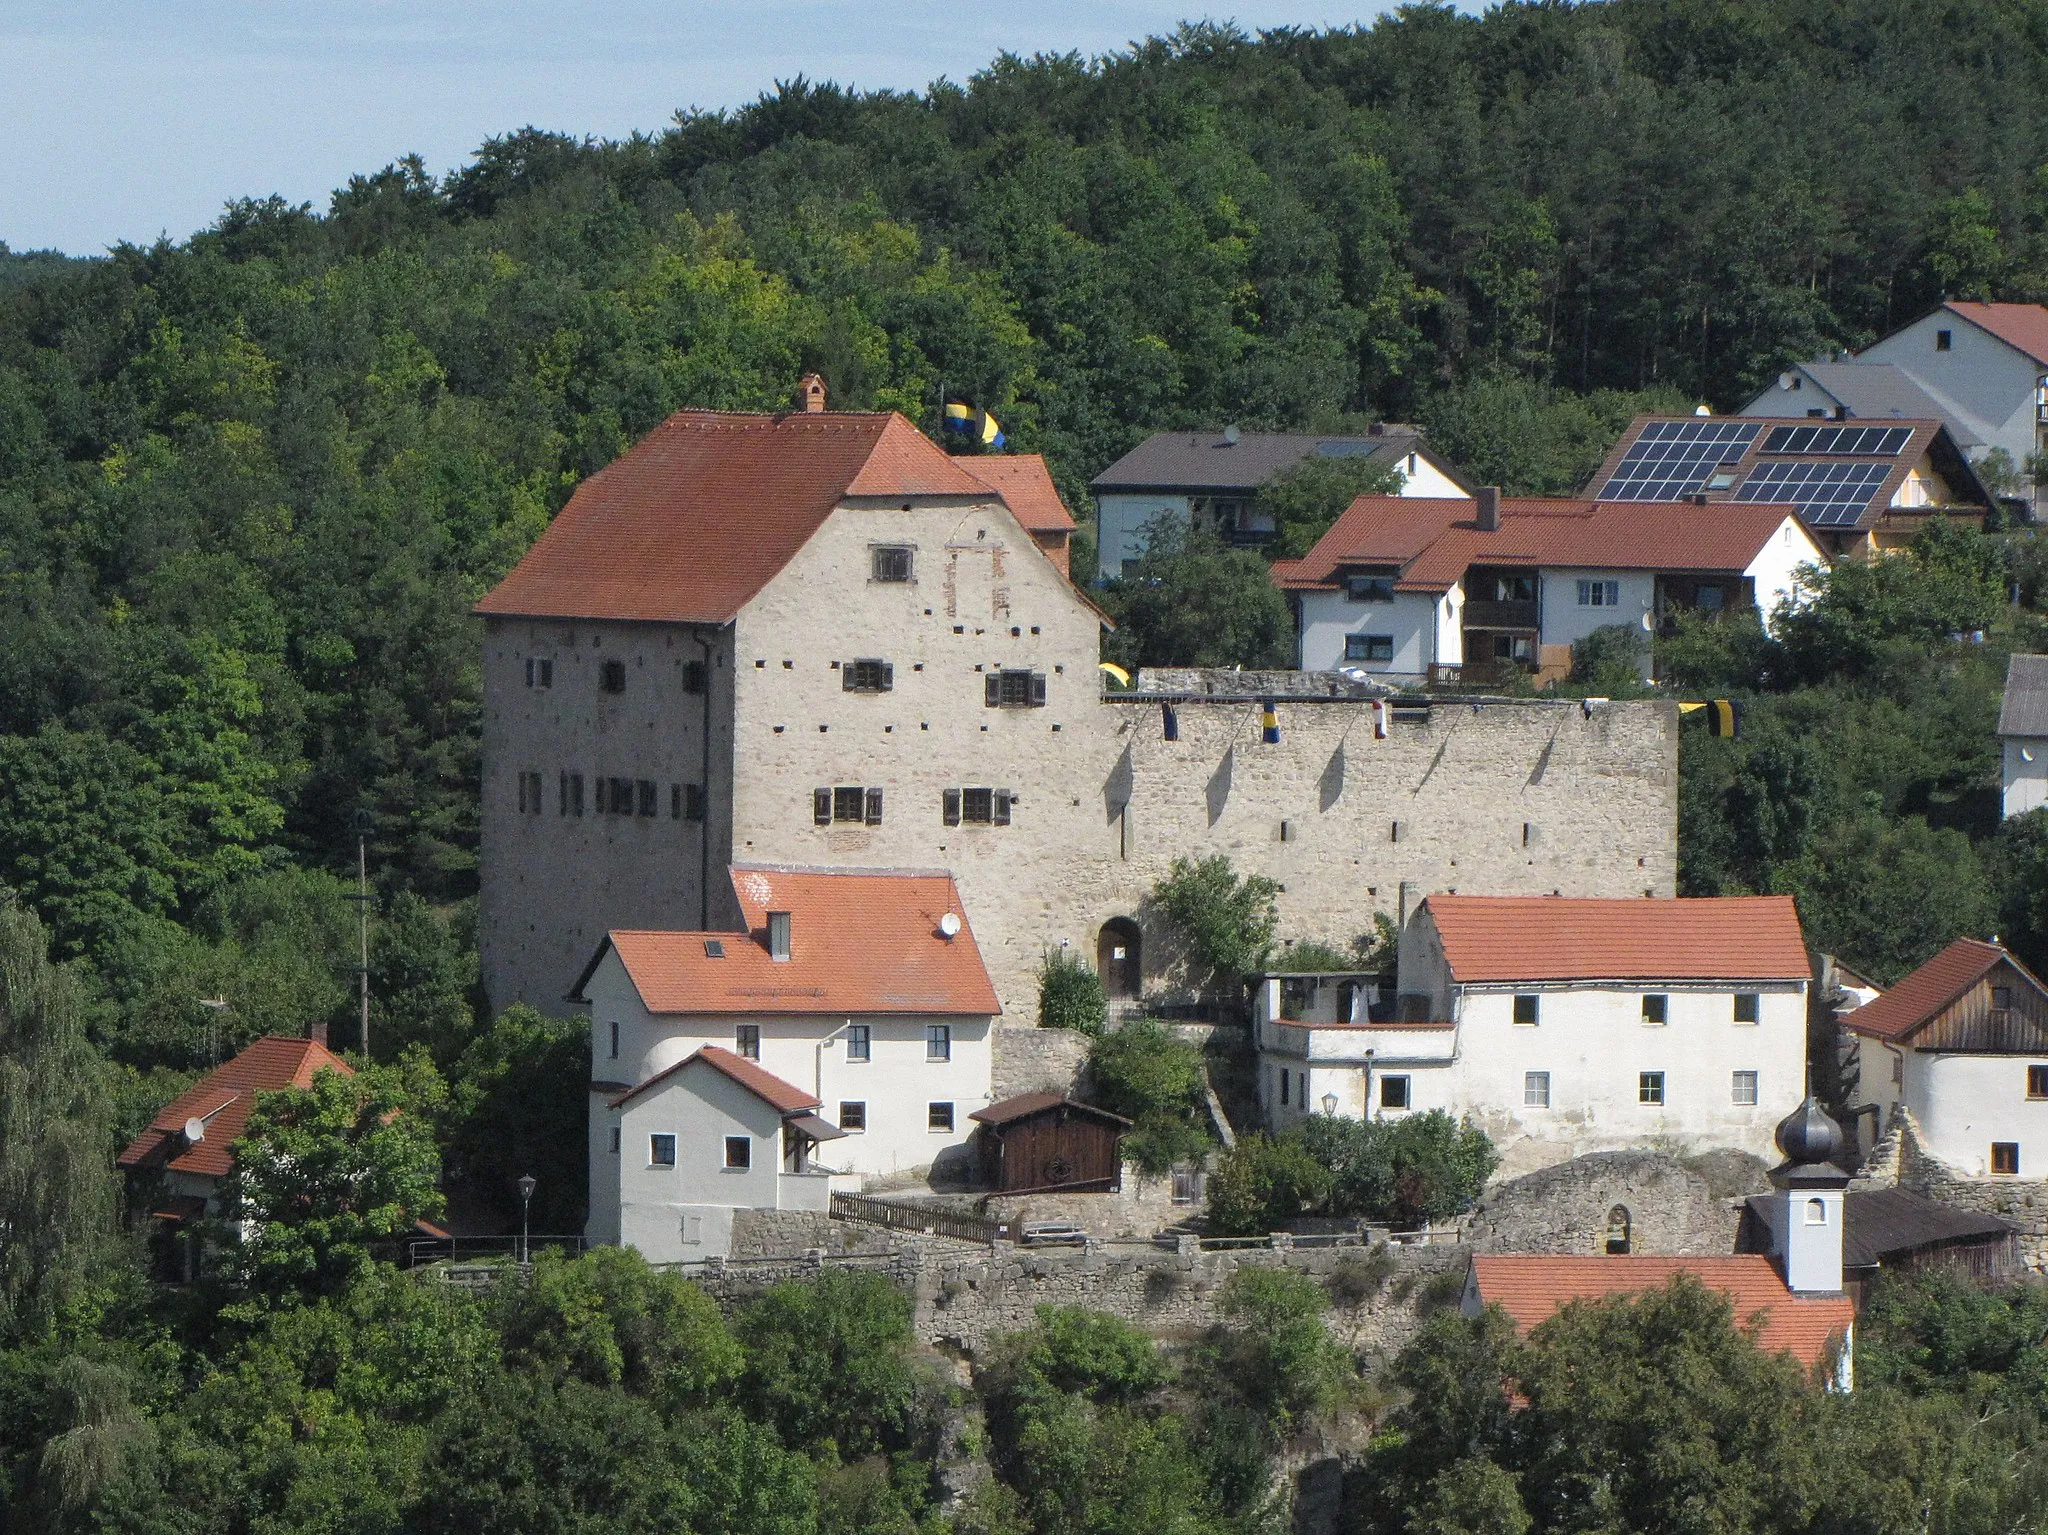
(1672, 459)
(1828, 492)
(1887, 440)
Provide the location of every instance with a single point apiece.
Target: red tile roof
(223, 1099)
(2019, 325)
(1559, 938)
(783, 1097)
(1026, 486)
(1531, 1288)
(1433, 540)
(703, 511)
(861, 941)
(1921, 996)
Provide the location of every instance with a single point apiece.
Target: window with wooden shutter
(675, 802)
(992, 690)
(693, 802)
(849, 804)
(644, 790)
(867, 676)
(821, 806)
(951, 804)
(622, 796)
(1000, 807)
(1037, 690)
(874, 807)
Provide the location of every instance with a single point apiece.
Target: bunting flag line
(1269, 721)
(1123, 677)
(1379, 719)
(1724, 715)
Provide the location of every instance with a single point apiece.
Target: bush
(1229, 921)
(1609, 661)
(1408, 1171)
(1263, 1184)
(1277, 1352)
(1154, 1080)
(1070, 994)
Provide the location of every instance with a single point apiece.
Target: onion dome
(1808, 1137)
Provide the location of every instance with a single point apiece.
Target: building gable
(1952, 1004)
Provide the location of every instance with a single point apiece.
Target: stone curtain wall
(1673, 1210)
(1034, 1060)
(1900, 1159)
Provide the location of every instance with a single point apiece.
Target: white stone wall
(2023, 768)
(1963, 1103)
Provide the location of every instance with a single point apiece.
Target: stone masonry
(1900, 1159)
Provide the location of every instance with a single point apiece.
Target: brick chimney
(810, 390)
(317, 1032)
(1487, 499)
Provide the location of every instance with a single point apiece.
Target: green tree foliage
(519, 1105)
(56, 1189)
(1531, 438)
(1305, 498)
(1192, 600)
(1275, 1350)
(1229, 919)
(826, 1363)
(1070, 994)
(1409, 1171)
(325, 1174)
(1156, 1081)
(1262, 1184)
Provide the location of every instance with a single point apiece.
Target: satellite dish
(1649, 623)
(195, 1131)
(1702, 410)
(949, 925)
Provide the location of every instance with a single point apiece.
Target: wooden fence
(925, 1220)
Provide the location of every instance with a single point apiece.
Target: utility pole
(361, 822)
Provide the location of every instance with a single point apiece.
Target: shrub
(1070, 994)
(1424, 1167)
(1229, 920)
(1262, 1184)
(1154, 1080)
(1277, 1352)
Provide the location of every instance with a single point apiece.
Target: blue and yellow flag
(1269, 721)
(977, 424)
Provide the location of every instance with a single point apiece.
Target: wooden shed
(1035, 1143)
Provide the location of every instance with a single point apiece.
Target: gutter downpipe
(704, 827)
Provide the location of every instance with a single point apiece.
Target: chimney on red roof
(1487, 499)
(317, 1032)
(778, 935)
(810, 392)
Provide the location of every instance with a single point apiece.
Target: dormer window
(1373, 587)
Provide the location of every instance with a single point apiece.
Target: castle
(814, 639)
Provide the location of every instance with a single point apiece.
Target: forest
(252, 481)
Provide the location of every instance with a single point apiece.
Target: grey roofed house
(1867, 391)
(1243, 461)
(2025, 710)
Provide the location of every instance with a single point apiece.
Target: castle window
(1393, 1092)
(572, 794)
(611, 676)
(891, 563)
(850, 804)
(938, 1117)
(867, 676)
(661, 1150)
(2005, 1158)
(1619, 1234)
(859, 1042)
(1944, 340)
(1747, 1005)
(615, 1042)
(739, 1153)
(1742, 1089)
(540, 673)
(643, 789)
(1650, 1088)
(1656, 1008)
(696, 676)
(529, 794)
(1007, 689)
(615, 1140)
(977, 807)
(853, 1118)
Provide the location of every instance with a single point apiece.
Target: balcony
(1501, 615)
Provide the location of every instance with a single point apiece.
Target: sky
(127, 119)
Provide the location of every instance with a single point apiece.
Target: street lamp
(526, 1187)
(1329, 1105)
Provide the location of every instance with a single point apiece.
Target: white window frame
(860, 1042)
(745, 1143)
(930, 1115)
(1535, 1089)
(1738, 1083)
(938, 1042)
(654, 1140)
(1599, 593)
(1648, 1082)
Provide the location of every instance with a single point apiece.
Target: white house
(1962, 1045)
(1987, 364)
(1215, 477)
(852, 1008)
(1561, 1026)
(1441, 589)
(2023, 735)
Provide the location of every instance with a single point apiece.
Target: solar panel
(1672, 459)
(1828, 493)
(1886, 440)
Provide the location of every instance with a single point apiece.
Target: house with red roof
(1790, 1298)
(839, 1031)
(1961, 1046)
(1562, 1026)
(1986, 365)
(1462, 589)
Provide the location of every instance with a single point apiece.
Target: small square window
(1393, 1092)
(2005, 1158)
(747, 1041)
(1742, 1089)
(939, 1117)
(858, 1042)
(1527, 1005)
(611, 676)
(1656, 1008)
(2037, 1081)
(739, 1152)
(2001, 997)
(853, 1118)
(1650, 1087)
(1748, 1007)
(1535, 1089)
(661, 1150)
(938, 1042)
(1368, 647)
(892, 564)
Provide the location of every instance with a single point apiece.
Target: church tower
(1807, 1212)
